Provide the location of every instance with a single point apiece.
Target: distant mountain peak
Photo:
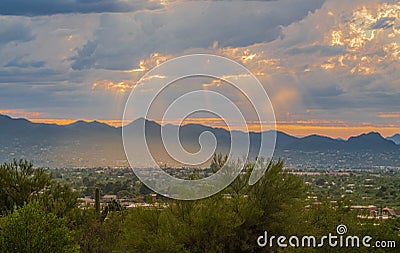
(318, 137)
(6, 118)
(85, 124)
(371, 141)
(375, 135)
(139, 120)
(142, 120)
(78, 122)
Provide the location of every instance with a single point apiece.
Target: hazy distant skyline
(331, 67)
(299, 131)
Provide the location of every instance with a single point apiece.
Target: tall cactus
(97, 200)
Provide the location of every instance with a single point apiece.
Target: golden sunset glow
(337, 38)
(121, 86)
(248, 56)
(20, 113)
(61, 122)
(54, 121)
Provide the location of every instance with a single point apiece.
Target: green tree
(19, 181)
(112, 207)
(31, 229)
(274, 204)
(95, 235)
(58, 198)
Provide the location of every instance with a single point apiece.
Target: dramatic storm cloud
(122, 40)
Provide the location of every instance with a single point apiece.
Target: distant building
(86, 202)
(366, 211)
(109, 197)
(390, 212)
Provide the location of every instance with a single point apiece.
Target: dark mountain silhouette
(97, 144)
(316, 142)
(78, 144)
(283, 140)
(370, 141)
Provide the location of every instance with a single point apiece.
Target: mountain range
(83, 144)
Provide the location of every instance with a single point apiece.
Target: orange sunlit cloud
(362, 46)
(20, 113)
(390, 115)
(121, 86)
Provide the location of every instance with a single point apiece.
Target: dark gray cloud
(121, 41)
(317, 49)
(14, 31)
(383, 23)
(36, 96)
(19, 62)
(326, 91)
(84, 59)
(27, 76)
(50, 7)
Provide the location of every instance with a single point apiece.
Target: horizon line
(297, 130)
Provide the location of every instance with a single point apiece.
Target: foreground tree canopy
(19, 182)
(31, 229)
(41, 215)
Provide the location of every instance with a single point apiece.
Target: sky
(330, 67)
